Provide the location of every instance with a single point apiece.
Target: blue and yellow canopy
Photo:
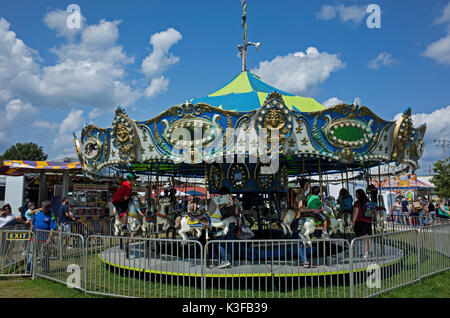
(247, 92)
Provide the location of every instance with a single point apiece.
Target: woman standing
(442, 211)
(362, 223)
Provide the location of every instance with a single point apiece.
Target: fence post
(85, 246)
(350, 272)
(34, 257)
(419, 231)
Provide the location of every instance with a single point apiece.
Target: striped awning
(19, 167)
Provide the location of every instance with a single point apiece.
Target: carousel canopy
(247, 92)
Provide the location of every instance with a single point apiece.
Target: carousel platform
(188, 265)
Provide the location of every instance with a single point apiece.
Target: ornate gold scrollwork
(264, 180)
(274, 116)
(238, 175)
(283, 177)
(124, 136)
(402, 135)
(92, 148)
(79, 153)
(215, 177)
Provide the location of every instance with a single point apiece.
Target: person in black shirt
(64, 215)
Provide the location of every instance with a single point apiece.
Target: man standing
(121, 199)
(419, 207)
(64, 215)
(405, 211)
(44, 220)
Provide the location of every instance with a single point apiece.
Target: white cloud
(440, 49)
(90, 73)
(357, 100)
(445, 17)
(160, 59)
(63, 141)
(352, 13)
(299, 72)
(44, 125)
(16, 109)
(382, 59)
(57, 20)
(326, 12)
(157, 85)
(96, 112)
(333, 101)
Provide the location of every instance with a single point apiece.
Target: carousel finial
(243, 48)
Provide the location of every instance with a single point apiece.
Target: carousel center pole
(346, 177)
(320, 182)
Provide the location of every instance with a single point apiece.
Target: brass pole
(346, 176)
(303, 167)
(320, 181)
(206, 186)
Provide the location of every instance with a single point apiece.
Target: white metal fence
(158, 268)
(15, 248)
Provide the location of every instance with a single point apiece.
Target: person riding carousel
(345, 202)
(121, 199)
(303, 209)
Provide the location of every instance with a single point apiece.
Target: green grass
(436, 286)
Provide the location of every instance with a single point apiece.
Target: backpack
(369, 209)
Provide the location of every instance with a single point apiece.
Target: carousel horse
(211, 218)
(163, 214)
(310, 225)
(149, 220)
(133, 220)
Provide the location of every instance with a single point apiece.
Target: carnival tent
(20, 167)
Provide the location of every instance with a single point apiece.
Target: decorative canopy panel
(185, 137)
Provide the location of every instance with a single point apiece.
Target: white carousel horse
(330, 208)
(163, 213)
(212, 215)
(310, 224)
(133, 220)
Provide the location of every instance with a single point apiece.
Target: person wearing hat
(121, 199)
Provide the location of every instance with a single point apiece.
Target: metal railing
(59, 256)
(277, 268)
(434, 243)
(384, 262)
(140, 267)
(15, 248)
(158, 268)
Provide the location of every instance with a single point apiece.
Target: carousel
(251, 138)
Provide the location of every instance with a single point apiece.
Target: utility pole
(442, 143)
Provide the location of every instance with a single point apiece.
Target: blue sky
(44, 96)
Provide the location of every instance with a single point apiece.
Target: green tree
(441, 179)
(25, 151)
